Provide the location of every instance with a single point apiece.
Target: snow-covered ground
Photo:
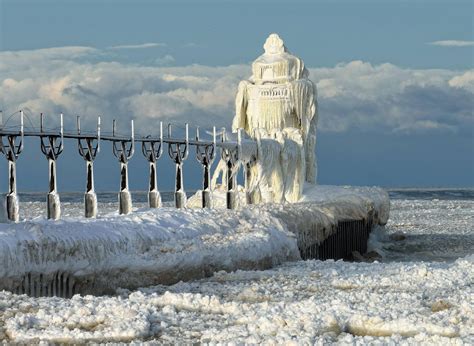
(427, 298)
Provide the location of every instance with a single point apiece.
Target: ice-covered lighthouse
(279, 97)
(278, 106)
(279, 101)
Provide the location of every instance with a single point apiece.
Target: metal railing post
(152, 154)
(12, 150)
(52, 149)
(179, 153)
(231, 158)
(124, 150)
(205, 154)
(88, 149)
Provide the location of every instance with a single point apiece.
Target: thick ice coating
(143, 248)
(166, 245)
(278, 102)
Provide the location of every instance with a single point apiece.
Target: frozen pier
(332, 221)
(231, 227)
(166, 245)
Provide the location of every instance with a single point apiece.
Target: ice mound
(163, 245)
(373, 199)
(315, 217)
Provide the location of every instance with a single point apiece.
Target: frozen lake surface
(438, 225)
(420, 292)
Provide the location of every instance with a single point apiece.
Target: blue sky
(395, 79)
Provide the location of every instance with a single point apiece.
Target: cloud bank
(452, 43)
(353, 96)
(139, 46)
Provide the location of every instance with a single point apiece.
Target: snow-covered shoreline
(167, 245)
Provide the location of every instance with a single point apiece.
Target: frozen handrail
(114, 137)
(233, 150)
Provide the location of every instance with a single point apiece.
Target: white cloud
(359, 95)
(452, 43)
(352, 96)
(39, 58)
(423, 126)
(463, 81)
(139, 46)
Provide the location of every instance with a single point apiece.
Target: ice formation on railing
(52, 144)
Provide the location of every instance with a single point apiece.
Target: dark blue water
(430, 194)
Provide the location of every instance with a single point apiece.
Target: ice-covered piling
(152, 150)
(178, 152)
(231, 159)
(124, 196)
(13, 208)
(154, 197)
(12, 150)
(52, 146)
(88, 149)
(123, 150)
(205, 154)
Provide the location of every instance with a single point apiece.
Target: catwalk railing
(52, 145)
